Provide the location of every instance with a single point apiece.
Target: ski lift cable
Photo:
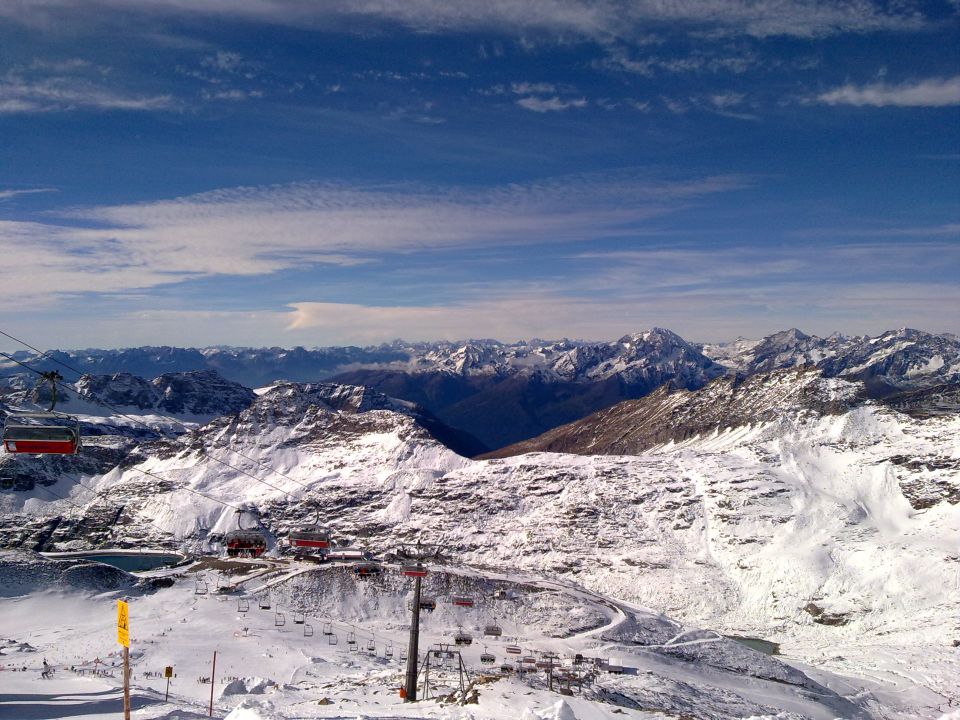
(145, 472)
(141, 422)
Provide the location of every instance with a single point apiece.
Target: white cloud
(550, 104)
(529, 88)
(31, 89)
(598, 19)
(7, 194)
(932, 92)
(258, 231)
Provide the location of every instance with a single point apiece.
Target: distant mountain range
(498, 393)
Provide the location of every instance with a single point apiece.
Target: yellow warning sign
(123, 623)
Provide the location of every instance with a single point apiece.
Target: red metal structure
(42, 433)
(311, 537)
(245, 543)
(22, 437)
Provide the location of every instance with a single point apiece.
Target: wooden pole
(213, 679)
(166, 695)
(126, 683)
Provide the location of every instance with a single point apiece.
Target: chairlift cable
(145, 472)
(141, 422)
(137, 420)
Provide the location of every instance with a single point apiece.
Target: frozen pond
(129, 560)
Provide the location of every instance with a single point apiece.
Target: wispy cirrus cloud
(599, 19)
(550, 104)
(44, 86)
(931, 92)
(14, 192)
(263, 230)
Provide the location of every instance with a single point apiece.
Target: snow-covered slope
(829, 528)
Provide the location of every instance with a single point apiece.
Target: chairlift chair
(487, 658)
(310, 537)
(279, 619)
(332, 639)
(299, 618)
(371, 645)
(42, 433)
(328, 628)
(462, 600)
(388, 650)
(366, 569)
(245, 542)
(352, 640)
(265, 603)
(513, 649)
(403, 654)
(243, 605)
(463, 638)
(307, 630)
(417, 570)
(493, 630)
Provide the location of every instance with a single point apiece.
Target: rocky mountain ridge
(502, 393)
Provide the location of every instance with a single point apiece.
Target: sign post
(167, 673)
(123, 637)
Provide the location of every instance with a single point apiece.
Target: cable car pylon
(417, 553)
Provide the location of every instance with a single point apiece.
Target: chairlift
(42, 433)
(299, 618)
(245, 542)
(462, 600)
(371, 645)
(500, 594)
(506, 668)
(417, 570)
(487, 659)
(403, 654)
(328, 628)
(332, 639)
(279, 619)
(200, 586)
(426, 603)
(388, 650)
(529, 660)
(310, 537)
(493, 630)
(366, 569)
(513, 649)
(307, 630)
(463, 638)
(352, 639)
(243, 605)
(265, 603)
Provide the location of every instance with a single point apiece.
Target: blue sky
(281, 172)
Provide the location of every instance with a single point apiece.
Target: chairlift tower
(417, 553)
